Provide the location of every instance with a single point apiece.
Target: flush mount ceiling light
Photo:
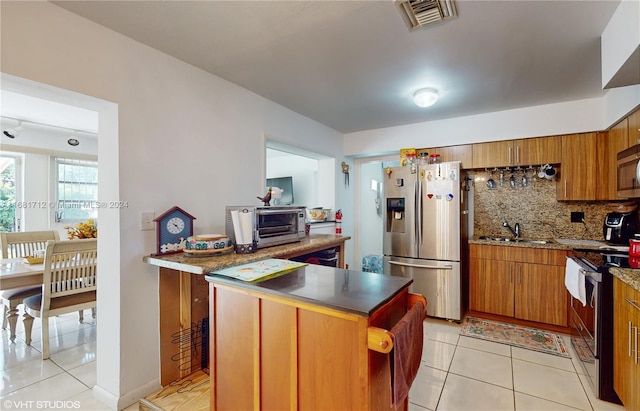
(13, 132)
(425, 97)
(73, 141)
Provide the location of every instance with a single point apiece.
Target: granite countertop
(629, 276)
(550, 244)
(344, 290)
(204, 265)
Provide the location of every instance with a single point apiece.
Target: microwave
(628, 172)
(271, 225)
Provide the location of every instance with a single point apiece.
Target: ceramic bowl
(208, 242)
(318, 214)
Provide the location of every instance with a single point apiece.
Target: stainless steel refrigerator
(425, 230)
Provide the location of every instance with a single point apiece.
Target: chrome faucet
(515, 230)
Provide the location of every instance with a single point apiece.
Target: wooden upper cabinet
(634, 128)
(522, 152)
(609, 144)
(493, 154)
(539, 150)
(462, 153)
(577, 180)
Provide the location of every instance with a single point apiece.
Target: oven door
(584, 330)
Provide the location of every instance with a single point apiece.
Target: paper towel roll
(246, 225)
(237, 230)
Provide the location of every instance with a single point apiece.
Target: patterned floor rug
(515, 335)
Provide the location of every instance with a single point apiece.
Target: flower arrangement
(86, 229)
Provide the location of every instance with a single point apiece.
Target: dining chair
(18, 245)
(68, 284)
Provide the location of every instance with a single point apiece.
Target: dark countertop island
(340, 289)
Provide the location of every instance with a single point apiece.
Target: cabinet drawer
(518, 254)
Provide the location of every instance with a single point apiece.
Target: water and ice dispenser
(395, 215)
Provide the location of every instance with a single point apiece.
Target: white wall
(552, 119)
(179, 133)
(620, 40)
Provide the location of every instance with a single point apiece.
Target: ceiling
(354, 65)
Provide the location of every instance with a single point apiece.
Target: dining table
(16, 273)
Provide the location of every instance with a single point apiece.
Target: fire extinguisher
(339, 222)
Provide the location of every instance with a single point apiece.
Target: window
(9, 176)
(77, 189)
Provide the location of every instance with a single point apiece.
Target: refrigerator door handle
(435, 267)
(419, 210)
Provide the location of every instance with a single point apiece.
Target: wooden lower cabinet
(511, 282)
(626, 361)
(540, 293)
(272, 353)
(491, 287)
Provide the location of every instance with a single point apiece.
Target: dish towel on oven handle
(574, 280)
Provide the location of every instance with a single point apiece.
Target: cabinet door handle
(519, 275)
(629, 342)
(510, 274)
(509, 159)
(633, 303)
(635, 350)
(518, 155)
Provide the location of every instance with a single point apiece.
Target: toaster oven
(272, 225)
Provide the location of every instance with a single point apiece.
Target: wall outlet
(146, 220)
(577, 216)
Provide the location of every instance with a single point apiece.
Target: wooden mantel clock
(173, 227)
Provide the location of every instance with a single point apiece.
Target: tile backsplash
(534, 207)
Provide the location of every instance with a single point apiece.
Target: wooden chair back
(69, 268)
(22, 244)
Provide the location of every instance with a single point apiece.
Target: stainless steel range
(592, 324)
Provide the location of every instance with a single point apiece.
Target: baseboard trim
(126, 399)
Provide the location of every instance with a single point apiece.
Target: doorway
(370, 178)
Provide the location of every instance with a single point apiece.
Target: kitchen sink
(515, 240)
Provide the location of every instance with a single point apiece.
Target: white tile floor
(457, 373)
(461, 373)
(65, 381)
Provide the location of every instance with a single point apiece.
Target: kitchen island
(183, 294)
(312, 338)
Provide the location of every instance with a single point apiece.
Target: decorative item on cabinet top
(173, 227)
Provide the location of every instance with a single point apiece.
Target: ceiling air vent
(418, 13)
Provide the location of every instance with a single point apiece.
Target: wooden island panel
(270, 352)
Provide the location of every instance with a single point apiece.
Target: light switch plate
(146, 220)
